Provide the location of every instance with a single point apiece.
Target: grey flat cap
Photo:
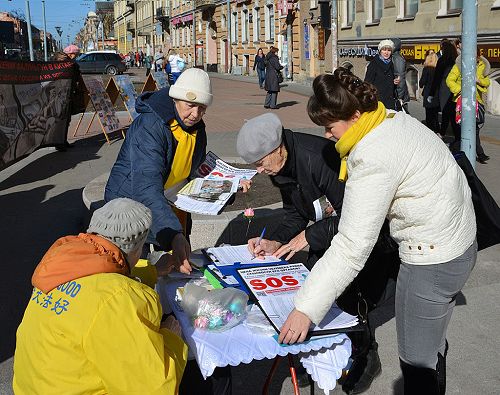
(258, 137)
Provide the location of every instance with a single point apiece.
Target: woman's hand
(298, 243)
(295, 328)
(265, 247)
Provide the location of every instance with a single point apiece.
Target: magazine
(209, 193)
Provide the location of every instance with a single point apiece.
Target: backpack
(181, 64)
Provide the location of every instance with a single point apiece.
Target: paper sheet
(229, 255)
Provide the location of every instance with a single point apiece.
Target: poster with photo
(127, 93)
(161, 79)
(102, 104)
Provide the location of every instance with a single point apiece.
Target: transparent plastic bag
(214, 310)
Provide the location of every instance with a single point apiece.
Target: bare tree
(19, 14)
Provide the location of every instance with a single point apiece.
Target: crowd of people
(381, 231)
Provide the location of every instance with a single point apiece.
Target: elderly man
(91, 328)
(165, 145)
(306, 170)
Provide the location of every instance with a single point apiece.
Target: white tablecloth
(323, 358)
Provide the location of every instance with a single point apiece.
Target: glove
(429, 99)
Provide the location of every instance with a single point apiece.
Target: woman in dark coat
(432, 107)
(272, 85)
(380, 73)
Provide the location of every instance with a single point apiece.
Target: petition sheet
(229, 255)
(275, 287)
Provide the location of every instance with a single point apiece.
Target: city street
(41, 200)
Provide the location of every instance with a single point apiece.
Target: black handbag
(486, 208)
(279, 74)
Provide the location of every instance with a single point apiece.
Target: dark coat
(145, 159)
(425, 82)
(259, 63)
(381, 75)
(399, 63)
(310, 172)
(438, 86)
(272, 66)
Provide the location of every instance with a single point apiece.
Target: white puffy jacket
(400, 170)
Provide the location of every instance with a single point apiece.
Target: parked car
(101, 62)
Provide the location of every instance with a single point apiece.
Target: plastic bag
(257, 322)
(214, 310)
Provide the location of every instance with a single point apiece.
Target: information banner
(102, 104)
(127, 93)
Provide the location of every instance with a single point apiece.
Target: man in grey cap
(306, 170)
(90, 327)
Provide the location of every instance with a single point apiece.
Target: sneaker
(363, 371)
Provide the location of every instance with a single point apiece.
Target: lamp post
(44, 32)
(30, 38)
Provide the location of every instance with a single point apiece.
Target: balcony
(200, 4)
(162, 13)
(131, 3)
(130, 26)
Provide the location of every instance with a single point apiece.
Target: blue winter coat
(145, 159)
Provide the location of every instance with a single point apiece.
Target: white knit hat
(386, 43)
(122, 221)
(193, 86)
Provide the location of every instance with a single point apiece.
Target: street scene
(361, 201)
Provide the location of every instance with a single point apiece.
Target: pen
(260, 239)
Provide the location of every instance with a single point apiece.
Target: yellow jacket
(97, 333)
(454, 79)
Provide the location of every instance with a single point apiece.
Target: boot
(419, 381)
(364, 369)
(441, 370)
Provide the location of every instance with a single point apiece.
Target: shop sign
(321, 43)
(283, 7)
(357, 51)
(307, 54)
(182, 19)
(490, 52)
(417, 52)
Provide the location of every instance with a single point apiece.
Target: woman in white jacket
(394, 168)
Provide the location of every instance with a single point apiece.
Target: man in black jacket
(306, 168)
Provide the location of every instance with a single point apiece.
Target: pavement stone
(41, 200)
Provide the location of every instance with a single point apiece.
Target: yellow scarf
(366, 122)
(181, 165)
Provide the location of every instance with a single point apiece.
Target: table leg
(265, 390)
(295, 383)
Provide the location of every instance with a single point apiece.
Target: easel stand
(114, 93)
(293, 373)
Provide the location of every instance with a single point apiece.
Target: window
(350, 12)
(188, 35)
(234, 28)
(450, 7)
(223, 22)
(407, 9)
(244, 26)
(256, 25)
(183, 38)
(269, 22)
(377, 10)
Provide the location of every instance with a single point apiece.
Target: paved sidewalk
(40, 198)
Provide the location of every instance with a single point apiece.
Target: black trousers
(192, 383)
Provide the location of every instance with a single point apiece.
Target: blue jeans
(262, 76)
(425, 298)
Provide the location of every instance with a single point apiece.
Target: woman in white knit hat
(380, 73)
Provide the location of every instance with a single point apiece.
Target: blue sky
(69, 14)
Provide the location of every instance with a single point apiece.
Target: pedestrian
(165, 145)
(380, 73)
(260, 65)
(89, 326)
(177, 64)
(432, 107)
(458, 44)
(273, 78)
(137, 57)
(158, 60)
(399, 62)
(141, 58)
(440, 90)
(305, 168)
(148, 63)
(454, 82)
(393, 166)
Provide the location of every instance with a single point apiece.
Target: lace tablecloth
(323, 358)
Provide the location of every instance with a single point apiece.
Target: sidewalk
(41, 200)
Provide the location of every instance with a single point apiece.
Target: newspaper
(210, 193)
(275, 287)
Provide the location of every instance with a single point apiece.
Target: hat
(384, 44)
(258, 137)
(194, 86)
(122, 221)
(71, 49)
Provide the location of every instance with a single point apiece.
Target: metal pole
(44, 32)
(229, 42)
(469, 45)
(136, 27)
(194, 34)
(30, 38)
(334, 32)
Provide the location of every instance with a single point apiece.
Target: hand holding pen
(260, 247)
